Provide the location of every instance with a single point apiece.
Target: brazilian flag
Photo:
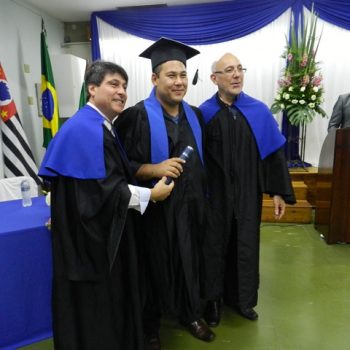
(83, 92)
(83, 96)
(51, 120)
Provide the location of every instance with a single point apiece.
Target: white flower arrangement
(300, 90)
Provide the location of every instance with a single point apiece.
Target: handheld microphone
(185, 155)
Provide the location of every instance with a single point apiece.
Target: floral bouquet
(300, 88)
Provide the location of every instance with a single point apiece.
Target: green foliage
(300, 91)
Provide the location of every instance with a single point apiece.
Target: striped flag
(18, 158)
(51, 120)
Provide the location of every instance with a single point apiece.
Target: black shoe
(152, 342)
(212, 313)
(249, 313)
(200, 330)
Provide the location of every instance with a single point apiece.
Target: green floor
(304, 299)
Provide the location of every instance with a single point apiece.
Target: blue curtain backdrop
(212, 23)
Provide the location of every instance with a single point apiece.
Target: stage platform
(309, 177)
(304, 184)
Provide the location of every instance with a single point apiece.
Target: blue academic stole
(159, 135)
(264, 127)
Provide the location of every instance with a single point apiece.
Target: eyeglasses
(231, 69)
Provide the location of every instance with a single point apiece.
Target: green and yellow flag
(83, 92)
(49, 103)
(83, 96)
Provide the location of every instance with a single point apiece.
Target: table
(25, 273)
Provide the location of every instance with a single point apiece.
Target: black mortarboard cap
(165, 49)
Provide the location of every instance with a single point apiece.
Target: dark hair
(97, 70)
(156, 70)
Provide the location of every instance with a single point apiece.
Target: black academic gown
(96, 293)
(237, 179)
(173, 229)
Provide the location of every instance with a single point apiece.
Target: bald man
(245, 158)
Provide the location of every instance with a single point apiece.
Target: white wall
(20, 28)
(79, 49)
(69, 76)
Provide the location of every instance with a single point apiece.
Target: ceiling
(80, 10)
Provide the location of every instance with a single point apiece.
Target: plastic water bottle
(25, 191)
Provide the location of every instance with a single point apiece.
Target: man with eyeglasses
(244, 158)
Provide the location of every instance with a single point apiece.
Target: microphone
(185, 155)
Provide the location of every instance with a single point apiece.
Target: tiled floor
(304, 299)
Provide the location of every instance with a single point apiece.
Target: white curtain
(260, 52)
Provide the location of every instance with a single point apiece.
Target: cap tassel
(195, 78)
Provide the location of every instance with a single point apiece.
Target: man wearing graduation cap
(154, 133)
(244, 159)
